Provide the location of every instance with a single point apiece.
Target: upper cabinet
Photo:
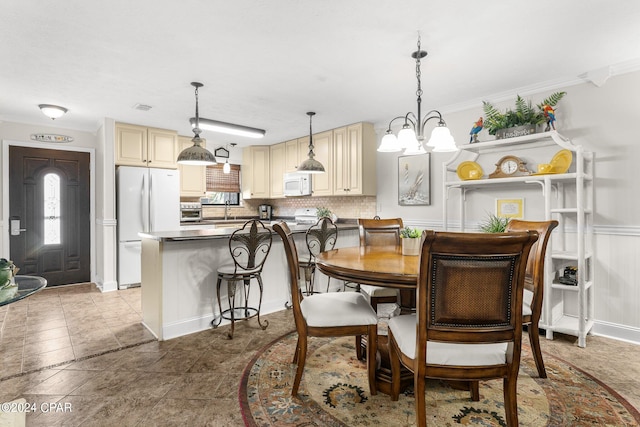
(348, 155)
(256, 172)
(295, 152)
(278, 168)
(193, 179)
(322, 183)
(353, 147)
(142, 146)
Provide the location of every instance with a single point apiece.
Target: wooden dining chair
(331, 314)
(379, 232)
(468, 317)
(534, 283)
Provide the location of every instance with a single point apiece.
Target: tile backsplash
(344, 207)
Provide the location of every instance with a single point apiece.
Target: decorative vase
(515, 131)
(410, 246)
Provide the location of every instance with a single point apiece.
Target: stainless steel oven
(190, 211)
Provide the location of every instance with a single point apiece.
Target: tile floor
(192, 380)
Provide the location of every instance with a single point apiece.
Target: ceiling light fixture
(411, 135)
(311, 165)
(229, 128)
(196, 154)
(52, 111)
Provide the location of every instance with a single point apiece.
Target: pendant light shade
(311, 165)
(196, 154)
(441, 140)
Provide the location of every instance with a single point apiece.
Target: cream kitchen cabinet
(354, 160)
(322, 183)
(568, 307)
(278, 168)
(193, 179)
(296, 152)
(256, 172)
(142, 146)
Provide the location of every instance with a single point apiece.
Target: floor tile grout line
(78, 359)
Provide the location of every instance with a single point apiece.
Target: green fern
(524, 113)
(552, 100)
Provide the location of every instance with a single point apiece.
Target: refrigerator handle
(145, 204)
(150, 204)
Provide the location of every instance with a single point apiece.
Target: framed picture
(510, 208)
(414, 180)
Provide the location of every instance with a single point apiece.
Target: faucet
(226, 210)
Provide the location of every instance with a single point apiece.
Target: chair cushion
(526, 303)
(404, 331)
(378, 291)
(337, 309)
(231, 269)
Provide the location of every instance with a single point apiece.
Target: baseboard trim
(615, 331)
(198, 324)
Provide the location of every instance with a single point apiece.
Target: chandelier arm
(441, 121)
(393, 120)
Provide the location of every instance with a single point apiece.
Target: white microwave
(297, 184)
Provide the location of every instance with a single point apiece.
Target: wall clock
(509, 166)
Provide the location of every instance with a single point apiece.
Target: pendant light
(311, 165)
(196, 154)
(412, 134)
(226, 168)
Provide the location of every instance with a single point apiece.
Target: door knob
(15, 227)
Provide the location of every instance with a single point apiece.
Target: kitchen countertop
(220, 232)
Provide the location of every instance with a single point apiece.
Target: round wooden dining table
(371, 265)
(378, 266)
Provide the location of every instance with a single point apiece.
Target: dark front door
(49, 219)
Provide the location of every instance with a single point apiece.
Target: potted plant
(8, 288)
(410, 238)
(494, 224)
(323, 212)
(523, 120)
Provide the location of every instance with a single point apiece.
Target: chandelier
(411, 135)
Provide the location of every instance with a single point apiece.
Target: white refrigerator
(148, 200)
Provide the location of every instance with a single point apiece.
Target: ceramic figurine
(477, 127)
(550, 115)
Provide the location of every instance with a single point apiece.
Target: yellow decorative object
(561, 161)
(469, 170)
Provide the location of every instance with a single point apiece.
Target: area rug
(335, 392)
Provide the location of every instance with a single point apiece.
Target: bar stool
(249, 247)
(319, 237)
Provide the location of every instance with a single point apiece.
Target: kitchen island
(179, 275)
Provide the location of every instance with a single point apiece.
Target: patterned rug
(334, 392)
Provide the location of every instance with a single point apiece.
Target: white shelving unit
(568, 198)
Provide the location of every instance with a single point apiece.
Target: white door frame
(5, 191)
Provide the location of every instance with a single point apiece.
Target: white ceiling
(266, 63)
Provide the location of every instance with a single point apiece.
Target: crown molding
(549, 85)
